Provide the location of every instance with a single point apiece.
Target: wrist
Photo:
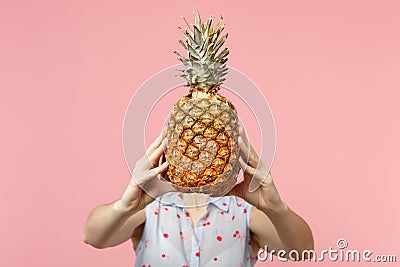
(123, 209)
(276, 209)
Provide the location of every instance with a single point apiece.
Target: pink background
(329, 70)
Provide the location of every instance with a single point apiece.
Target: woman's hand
(257, 187)
(112, 224)
(144, 186)
(290, 231)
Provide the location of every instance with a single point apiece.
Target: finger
(252, 182)
(242, 132)
(159, 169)
(244, 149)
(255, 183)
(153, 159)
(164, 131)
(247, 152)
(243, 135)
(154, 145)
(246, 168)
(145, 177)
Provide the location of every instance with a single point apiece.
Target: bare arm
(292, 230)
(264, 232)
(272, 222)
(281, 229)
(108, 226)
(112, 224)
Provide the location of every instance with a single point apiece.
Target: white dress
(220, 237)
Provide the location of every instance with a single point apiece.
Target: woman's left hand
(290, 232)
(256, 174)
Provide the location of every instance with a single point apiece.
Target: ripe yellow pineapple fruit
(202, 149)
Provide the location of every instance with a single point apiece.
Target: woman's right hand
(145, 186)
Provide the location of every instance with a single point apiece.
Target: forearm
(293, 231)
(105, 222)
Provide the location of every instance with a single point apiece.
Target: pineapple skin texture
(202, 149)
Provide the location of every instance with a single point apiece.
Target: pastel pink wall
(329, 70)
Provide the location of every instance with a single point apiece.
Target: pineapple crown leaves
(204, 68)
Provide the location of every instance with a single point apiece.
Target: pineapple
(202, 149)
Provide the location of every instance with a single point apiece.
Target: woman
(189, 229)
